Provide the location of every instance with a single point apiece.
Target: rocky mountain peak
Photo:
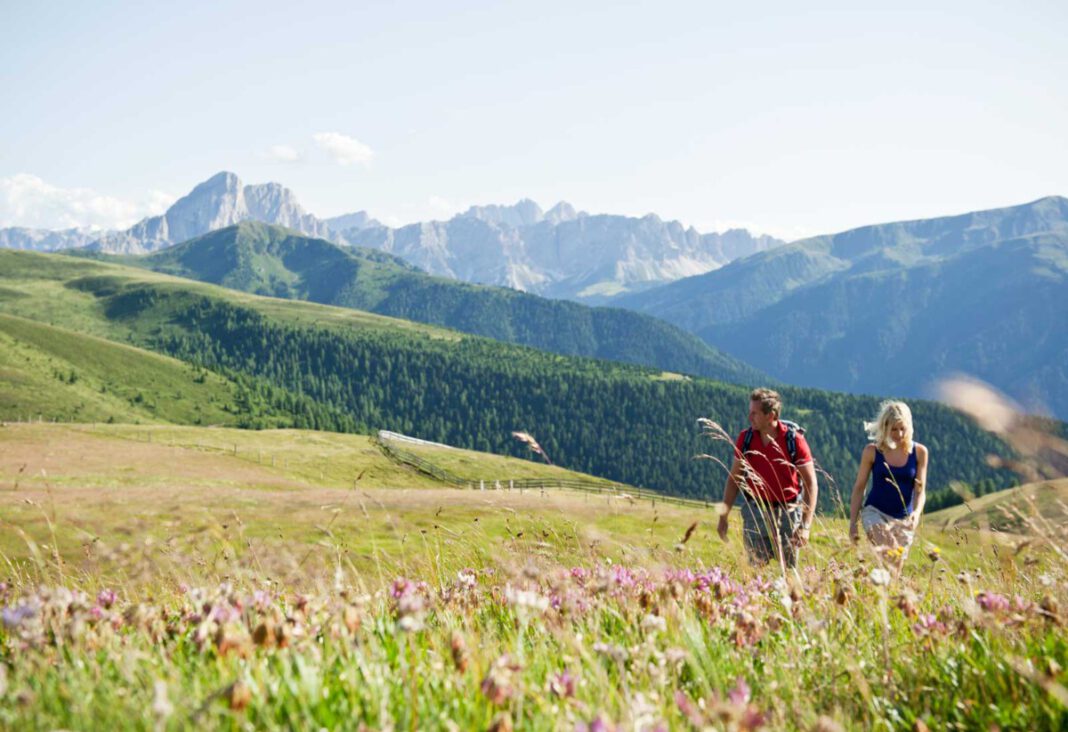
(525, 212)
(561, 212)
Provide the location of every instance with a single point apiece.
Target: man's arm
(730, 494)
(810, 492)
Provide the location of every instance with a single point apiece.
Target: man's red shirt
(779, 480)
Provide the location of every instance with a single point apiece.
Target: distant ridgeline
(278, 262)
(621, 422)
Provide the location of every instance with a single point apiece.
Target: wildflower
(933, 553)
(13, 617)
(616, 652)
(740, 694)
(563, 684)
(653, 624)
(106, 598)
(928, 624)
(597, 724)
(408, 604)
(238, 695)
(466, 578)
(992, 602)
(524, 600)
(879, 577)
(498, 685)
(458, 648)
(907, 603)
(261, 599)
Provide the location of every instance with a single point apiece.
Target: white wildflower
(654, 624)
(161, 704)
(526, 600)
(879, 577)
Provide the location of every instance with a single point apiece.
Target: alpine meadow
(507, 367)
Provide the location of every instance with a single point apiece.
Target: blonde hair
(890, 413)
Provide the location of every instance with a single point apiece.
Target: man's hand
(721, 529)
(854, 533)
(800, 537)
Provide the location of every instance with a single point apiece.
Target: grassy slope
(1008, 511)
(34, 285)
(100, 485)
(51, 373)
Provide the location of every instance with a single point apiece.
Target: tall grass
(537, 630)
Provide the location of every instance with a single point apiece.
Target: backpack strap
(793, 429)
(747, 441)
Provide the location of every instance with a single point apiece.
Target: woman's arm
(919, 492)
(867, 459)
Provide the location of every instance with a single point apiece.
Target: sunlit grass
(163, 577)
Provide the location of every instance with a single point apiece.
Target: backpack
(793, 429)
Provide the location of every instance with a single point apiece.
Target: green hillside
(345, 370)
(890, 308)
(1039, 509)
(270, 260)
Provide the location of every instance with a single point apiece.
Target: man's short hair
(770, 401)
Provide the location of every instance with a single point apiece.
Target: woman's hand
(913, 520)
(854, 533)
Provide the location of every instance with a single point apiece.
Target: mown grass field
(180, 577)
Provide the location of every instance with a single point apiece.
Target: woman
(898, 469)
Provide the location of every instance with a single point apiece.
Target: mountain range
(271, 260)
(560, 253)
(884, 309)
(890, 308)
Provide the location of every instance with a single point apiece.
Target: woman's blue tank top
(891, 488)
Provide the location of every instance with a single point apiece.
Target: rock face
(220, 201)
(357, 220)
(559, 253)
(43, 240)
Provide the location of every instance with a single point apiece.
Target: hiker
(898, 469)
(774, 471)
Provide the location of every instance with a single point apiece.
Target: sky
(782, 117)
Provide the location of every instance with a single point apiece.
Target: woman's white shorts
(872, 518)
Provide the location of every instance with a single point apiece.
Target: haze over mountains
(559, 253)
(888, 309)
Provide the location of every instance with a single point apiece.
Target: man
(774, 471)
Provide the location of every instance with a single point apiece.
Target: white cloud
(343, 149)
(27, 200)
(283, 154)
